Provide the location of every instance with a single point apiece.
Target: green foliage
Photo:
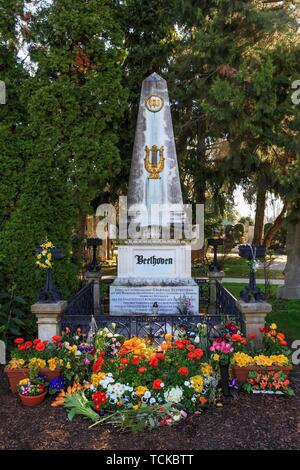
(75, 101)
(14, 318)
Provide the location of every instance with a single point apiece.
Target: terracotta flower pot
(14, 377)
(33, 400)
(50, 374)
(241, 373)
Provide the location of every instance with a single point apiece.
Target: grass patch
(286, 313)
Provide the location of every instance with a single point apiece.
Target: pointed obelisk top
(154, 77)
(154, 176)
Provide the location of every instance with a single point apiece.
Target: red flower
(40, 346)
(21, 347)
(191, 355)
(121, 367)
(157, 384)
(124, 360)
(183, 371)
(99, 397)
(198, 353)
(98, 364)
(179, 344)
(185, 341)
(56, 339)
(160, 356)
(28, 344)
(36, 341)
(79, 330)
(252, 336)
(135, 360)
(142, 370)
(283, 342)
(191, 347)
(19, 340)
(153, 361)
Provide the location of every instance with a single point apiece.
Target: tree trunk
(275, 227)
(291, 288)
(259, 214)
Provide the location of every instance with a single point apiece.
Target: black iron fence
(80, 311)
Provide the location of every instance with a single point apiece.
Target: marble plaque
(139, 300)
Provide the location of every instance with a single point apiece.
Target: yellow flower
(136, 407)
(197, 383)
(96, 378)
(24, 382)
(242, 359)
(273, 326)
(73, 348)
(168, 337)
(140, 390)
(216, 357)
(68, 365)
(206, 369)
(16, 363)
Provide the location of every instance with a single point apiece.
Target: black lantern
(215, 243)
(251, 252)
(94, 266)
(50, 293)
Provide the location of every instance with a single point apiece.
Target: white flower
(66, 344)
(76, 337)
(197, 340)
(152, 401)
(147, 394)
(162, 385)
(187, 383)
(78, 353)
(109, 335)
(113, 325)
(173, 395)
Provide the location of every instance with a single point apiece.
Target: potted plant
(222, 351)
(268, 382)
(15, 371)
(32, 390)
(272, 357)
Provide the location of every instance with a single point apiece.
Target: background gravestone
(2, 352)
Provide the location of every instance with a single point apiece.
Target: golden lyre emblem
(154, 103)
(154, 167)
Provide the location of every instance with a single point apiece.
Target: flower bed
(136, 385)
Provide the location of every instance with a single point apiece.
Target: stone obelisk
(154, 176)
(154, 270)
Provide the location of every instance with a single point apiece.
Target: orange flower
(202, 400)
(56, 339)
(280, 336)
(165, 346)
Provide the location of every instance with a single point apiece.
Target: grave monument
(154, 266)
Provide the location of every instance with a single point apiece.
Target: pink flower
(87, 361)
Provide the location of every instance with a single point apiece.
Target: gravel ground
(248, 422)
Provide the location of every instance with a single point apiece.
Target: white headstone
(2, 353)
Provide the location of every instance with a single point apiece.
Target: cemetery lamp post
(50, 293)
(251, 291)
(215, 243)
(94, 266)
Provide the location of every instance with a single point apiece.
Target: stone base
(292, 293)
(126, 300)
(48, 318)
